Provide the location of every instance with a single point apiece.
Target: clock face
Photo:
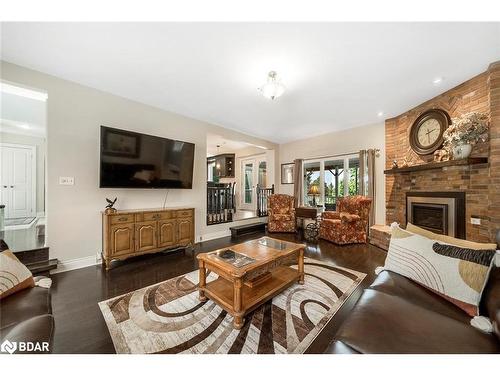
(426, 134)
(429, 132)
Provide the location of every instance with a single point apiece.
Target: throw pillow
(457, 274)
(14, 276)
(451, 240)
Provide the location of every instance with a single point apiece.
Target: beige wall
(74, 115)
(39, 143)
(341, 142)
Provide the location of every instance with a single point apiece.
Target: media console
(128, 233)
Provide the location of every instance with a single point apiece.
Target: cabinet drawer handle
(122, 219)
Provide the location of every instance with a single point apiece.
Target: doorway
(23, 132)
(253, 172)
(18, 186)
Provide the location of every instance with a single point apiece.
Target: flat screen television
(141, 161)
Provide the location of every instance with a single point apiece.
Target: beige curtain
(362, 172)
(367, 179)
(298, 183)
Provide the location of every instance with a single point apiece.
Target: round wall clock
(426, 134)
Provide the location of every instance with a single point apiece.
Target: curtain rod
(377, 154)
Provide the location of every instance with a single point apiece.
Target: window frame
(345, 158)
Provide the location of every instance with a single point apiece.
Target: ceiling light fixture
(21, 91)
(273, 88)
(380, 114)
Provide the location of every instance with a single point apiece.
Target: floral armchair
(349, 224)
(281, 213)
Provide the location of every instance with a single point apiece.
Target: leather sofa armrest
(39, 329)
(331, 215)
(491, 300)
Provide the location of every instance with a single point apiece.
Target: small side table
(311, 231)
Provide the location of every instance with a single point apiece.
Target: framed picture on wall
(287, 173)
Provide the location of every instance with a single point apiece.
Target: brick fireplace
(478, 183)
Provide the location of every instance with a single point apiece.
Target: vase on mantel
(462, 151)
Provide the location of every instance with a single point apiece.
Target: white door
(253, 172)
(247, 184)
(17, 185)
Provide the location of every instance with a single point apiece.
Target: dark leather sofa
(396, 315)
(27, 316)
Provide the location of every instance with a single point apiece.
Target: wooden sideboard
(130, 233)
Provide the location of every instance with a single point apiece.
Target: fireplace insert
(439, 212)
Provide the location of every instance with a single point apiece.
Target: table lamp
(314, 191)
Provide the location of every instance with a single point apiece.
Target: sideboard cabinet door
(145, 234)
(166, 233)
(185, 231)
(121, 239)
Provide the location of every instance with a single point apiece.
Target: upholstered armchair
(349, 224)
(281, 213)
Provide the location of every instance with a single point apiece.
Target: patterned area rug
(169, 318)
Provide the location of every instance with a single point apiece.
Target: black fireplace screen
(433, 217)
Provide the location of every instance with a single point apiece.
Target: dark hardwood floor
(80, 327)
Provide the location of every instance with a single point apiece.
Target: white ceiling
(338, 75)
(21, 115)
(225, 145)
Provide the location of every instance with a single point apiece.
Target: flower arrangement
(469, 128)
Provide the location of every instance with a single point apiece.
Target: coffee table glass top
(232, 257)
(275, 244)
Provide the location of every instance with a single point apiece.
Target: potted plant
(464, 132)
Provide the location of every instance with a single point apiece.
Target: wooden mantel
(437, 165)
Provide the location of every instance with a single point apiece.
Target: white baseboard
(73, 264)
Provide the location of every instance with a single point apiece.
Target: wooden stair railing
(220, 203)
(262, 195)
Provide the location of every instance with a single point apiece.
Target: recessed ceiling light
(380, 114)
(437, 80)
(21, 91)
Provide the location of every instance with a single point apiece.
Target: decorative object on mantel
(441, 155)
(465, 132)
(109, 207)
(426, 134)
(395, 164)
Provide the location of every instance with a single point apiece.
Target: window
(312, 176)
(248, 182)
(334, 178)
(262, 174)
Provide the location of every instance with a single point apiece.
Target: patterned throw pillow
(457, 274)
(450, 240)
(14, 276)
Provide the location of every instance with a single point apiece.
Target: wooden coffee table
(250, 274)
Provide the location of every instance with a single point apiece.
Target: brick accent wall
(480, 182)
